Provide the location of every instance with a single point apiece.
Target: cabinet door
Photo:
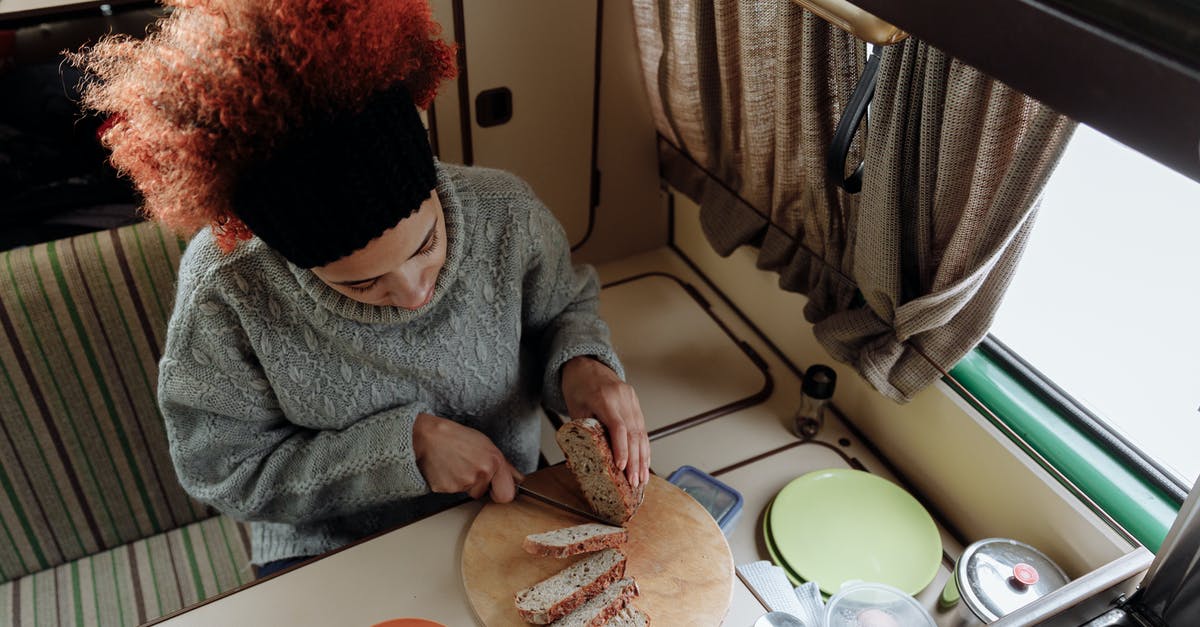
(543, 52)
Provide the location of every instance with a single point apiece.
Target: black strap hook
(852, 117)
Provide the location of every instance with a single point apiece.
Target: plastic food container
(862, 604)
(722, 501)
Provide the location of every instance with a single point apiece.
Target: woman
(360, 333)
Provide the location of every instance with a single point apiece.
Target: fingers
(643, 440)
(503, 484)
(621, 414)
(639, 457)
(478, 489)
(618, 436)
(633, 471)
(638, 471)
(645, 444)
(467, 461)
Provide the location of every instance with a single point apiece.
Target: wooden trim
(854, 463)
(431, 116)
(464, 87)
(768, 381)
(850, 426)
(595, 180)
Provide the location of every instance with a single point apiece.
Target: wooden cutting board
(676, 552)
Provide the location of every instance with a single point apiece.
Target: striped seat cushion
(84, 465)
(134, 583)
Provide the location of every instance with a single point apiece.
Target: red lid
(1025, 573)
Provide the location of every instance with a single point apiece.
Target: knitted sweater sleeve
(561, 304)
(234, 449)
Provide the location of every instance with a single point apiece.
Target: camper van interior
(1029, 173)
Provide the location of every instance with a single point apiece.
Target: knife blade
(537, 496)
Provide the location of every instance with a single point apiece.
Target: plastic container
(861, 604)
(722, 501)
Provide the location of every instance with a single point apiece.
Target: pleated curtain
(956, 162)
(749, 94)
(903, 279)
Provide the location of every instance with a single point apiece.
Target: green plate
(774, 552)
(837, 525)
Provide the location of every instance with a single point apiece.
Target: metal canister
(996, 576)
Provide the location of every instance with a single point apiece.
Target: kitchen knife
(537, 496)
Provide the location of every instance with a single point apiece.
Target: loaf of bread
(559, 595)
(570, 541)
(629, 616)
(585, 443)
(602, 607)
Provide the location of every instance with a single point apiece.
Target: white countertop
(414, 570)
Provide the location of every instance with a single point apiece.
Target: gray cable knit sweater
(292, 406)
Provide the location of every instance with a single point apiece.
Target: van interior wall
(628, 218)
(978, 480)
(544, 53)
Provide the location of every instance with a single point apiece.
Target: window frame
(1126, 78)
(1111, 475)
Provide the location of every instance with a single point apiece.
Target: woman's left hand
(592, 390)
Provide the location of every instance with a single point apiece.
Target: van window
(1104, 303)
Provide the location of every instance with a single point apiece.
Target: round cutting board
(676, 552)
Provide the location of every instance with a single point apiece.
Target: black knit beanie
(339, 182)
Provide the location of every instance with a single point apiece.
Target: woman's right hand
(456, 458)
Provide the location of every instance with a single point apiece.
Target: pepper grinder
(815, 391)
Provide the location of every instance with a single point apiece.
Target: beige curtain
(751, 93)
(955, 165)
(746, 96)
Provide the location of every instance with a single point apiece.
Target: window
(1105, 300)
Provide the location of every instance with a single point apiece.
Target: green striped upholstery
(83, 457)
(134, 583)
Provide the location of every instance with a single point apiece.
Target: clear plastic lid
(722, 501)
(861, 604)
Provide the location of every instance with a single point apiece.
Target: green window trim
(1118, 488)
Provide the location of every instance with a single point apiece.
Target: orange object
(408, 622)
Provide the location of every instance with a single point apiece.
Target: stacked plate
(838, 525)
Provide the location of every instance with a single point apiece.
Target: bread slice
(559, 595)
(602, 607)
(629, 616)
(590, 459)
(570, 541)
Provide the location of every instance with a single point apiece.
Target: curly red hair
(219, 82)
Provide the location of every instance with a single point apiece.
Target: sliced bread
(602, 607)
(559, 595)
(629, 616)
(575, 540)
(585, 443)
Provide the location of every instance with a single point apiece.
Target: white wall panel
(544, 52)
